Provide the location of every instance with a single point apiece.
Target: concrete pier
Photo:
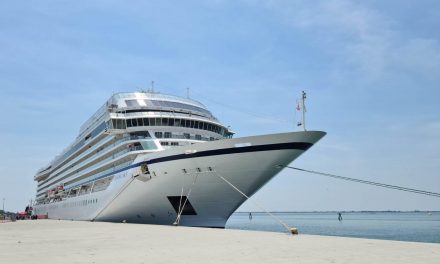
(52, 241)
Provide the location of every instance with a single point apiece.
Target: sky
(371, 70)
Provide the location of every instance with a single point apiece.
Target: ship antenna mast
(303, 108)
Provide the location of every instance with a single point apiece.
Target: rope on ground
(290, 230)
(389, 186)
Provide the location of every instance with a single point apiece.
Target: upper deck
(121, 108)
(127, 102)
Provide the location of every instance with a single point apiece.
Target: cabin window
(158, 134)
(186, 135)
(198, 137)
(177, 122)
(174, 143)
(167, 135)
(164, 121)
(164, 143)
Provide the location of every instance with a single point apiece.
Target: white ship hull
(190, 172)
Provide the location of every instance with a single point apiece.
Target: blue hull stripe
(225, 151)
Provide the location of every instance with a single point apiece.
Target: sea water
(403, 226)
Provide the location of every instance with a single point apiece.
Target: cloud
(365, 38)
(419, 55)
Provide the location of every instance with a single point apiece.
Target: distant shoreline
(368, 211)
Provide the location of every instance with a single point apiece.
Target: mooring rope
(179, 214)
(116, 196)
(180, 203)
(389, 186)
(256, 204)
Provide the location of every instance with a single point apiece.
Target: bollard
(294, 231)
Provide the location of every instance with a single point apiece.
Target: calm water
(404, 226)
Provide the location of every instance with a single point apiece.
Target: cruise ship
(147, 157)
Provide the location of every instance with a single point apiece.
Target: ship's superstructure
(152, 158)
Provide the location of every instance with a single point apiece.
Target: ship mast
(303, 108)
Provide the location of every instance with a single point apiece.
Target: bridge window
(118, 124)
(158, 121)
(140, 134)
(148, 145)
(146, 121)
(131, 103)
(139, 121)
